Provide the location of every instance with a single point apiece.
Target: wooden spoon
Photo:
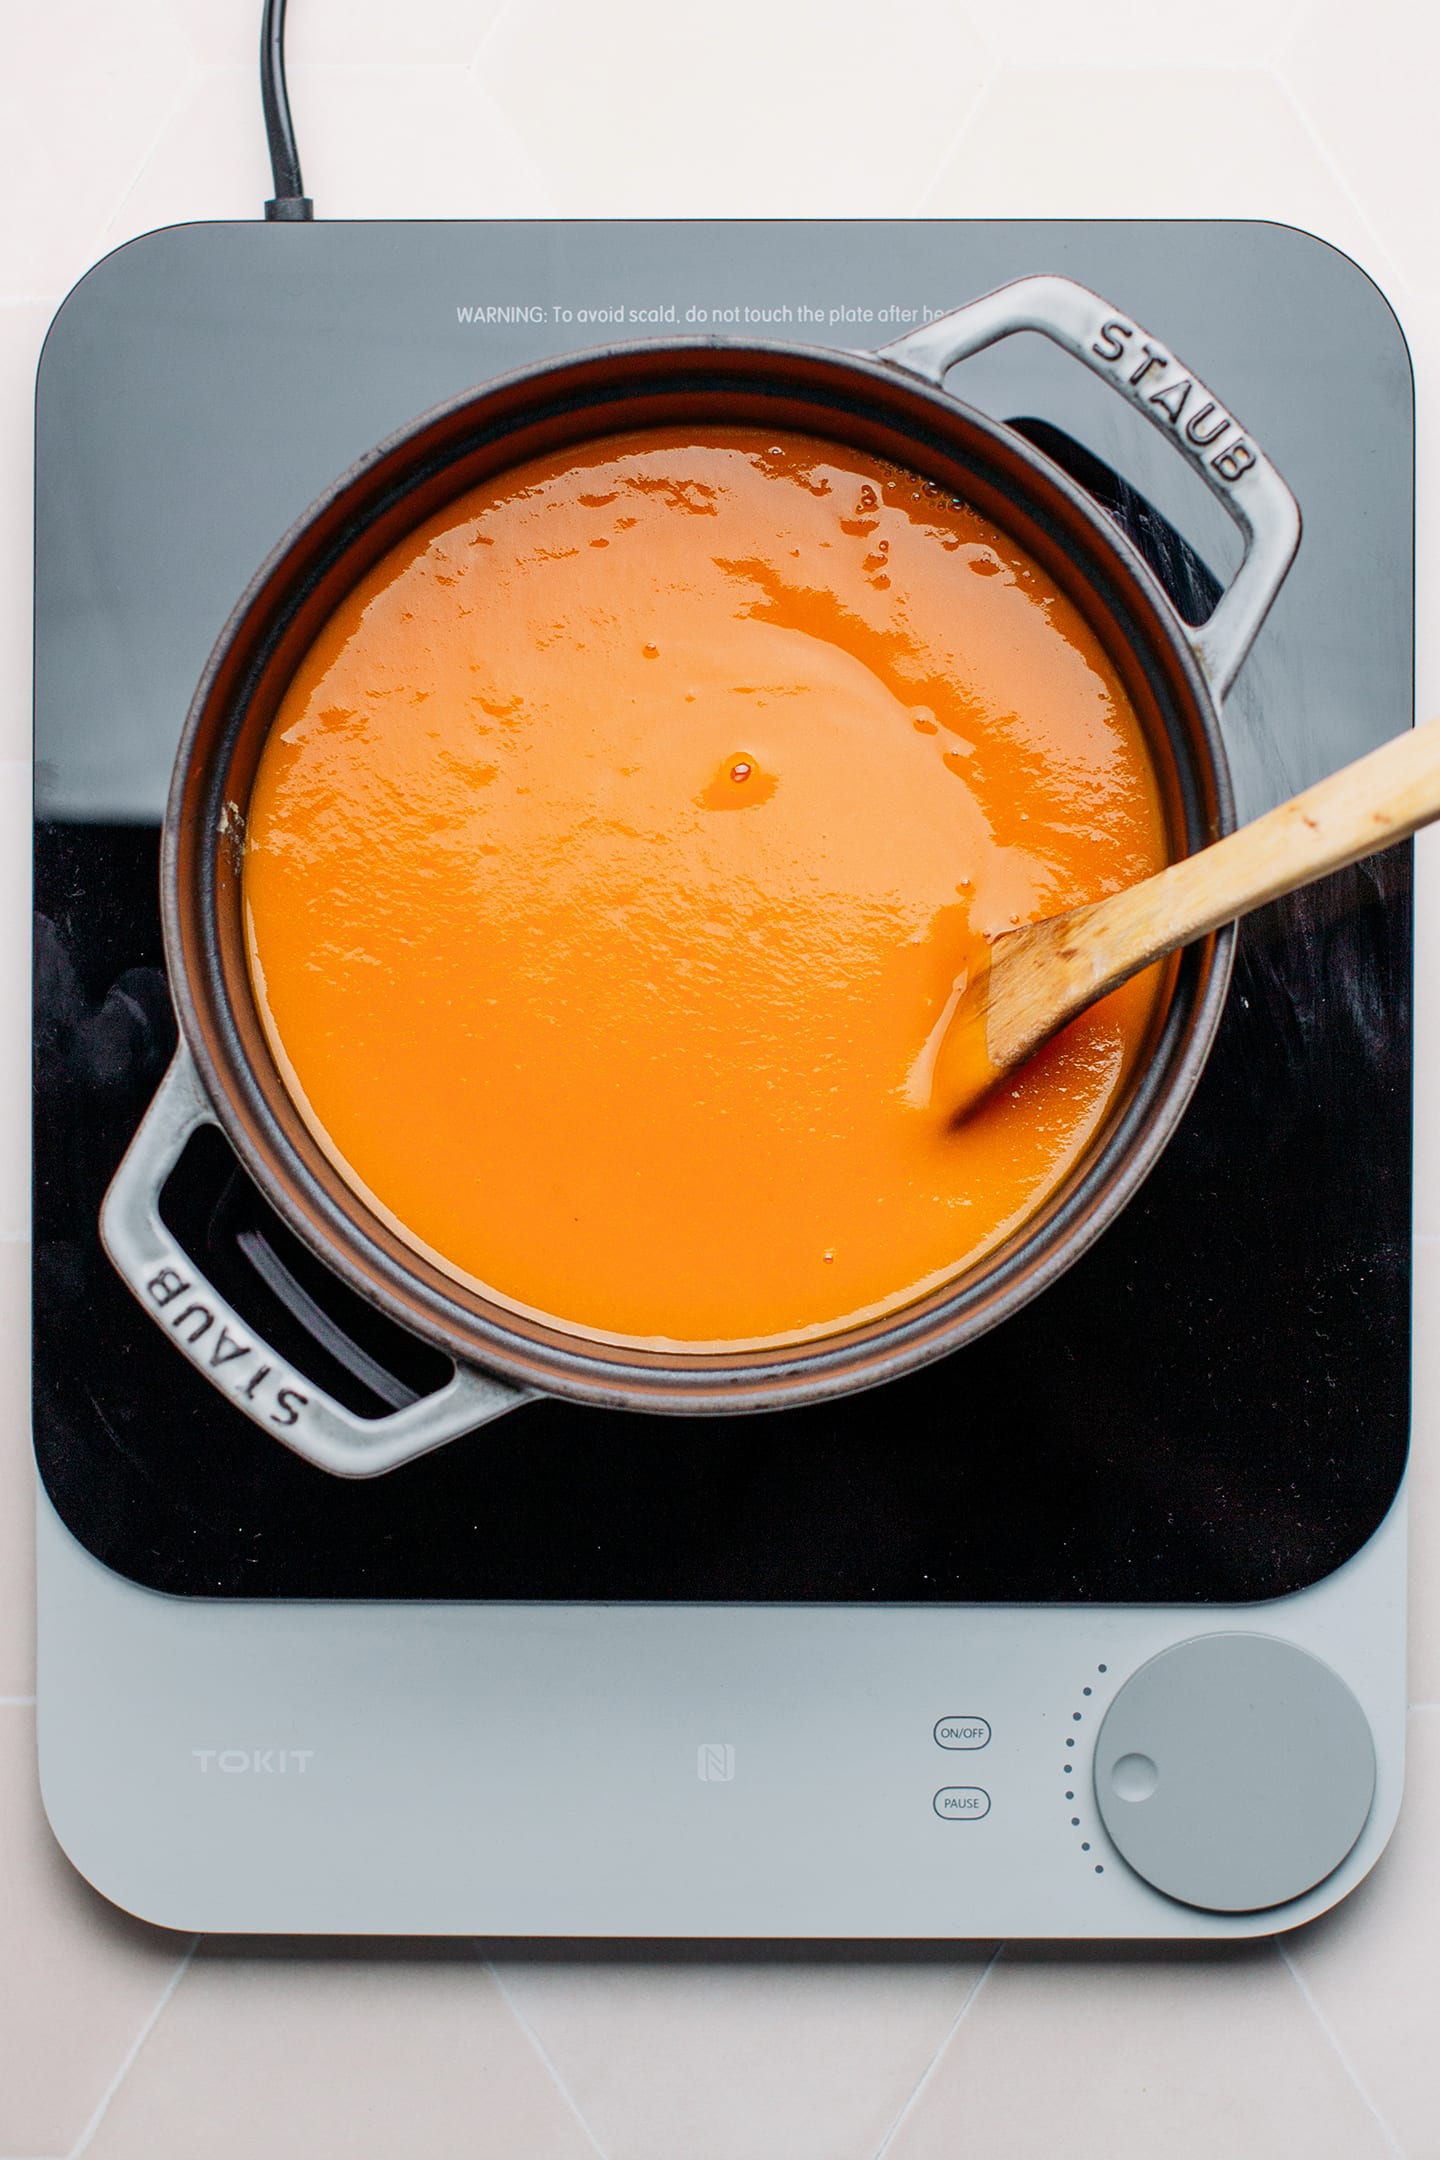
(1038, 977)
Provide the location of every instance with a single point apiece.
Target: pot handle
(227, 1350)
(1115, 347)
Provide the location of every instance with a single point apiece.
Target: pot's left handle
(227, 1351)
(1149, 376)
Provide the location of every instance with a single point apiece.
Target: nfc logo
(715, 1762)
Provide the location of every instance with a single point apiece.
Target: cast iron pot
(891, 404)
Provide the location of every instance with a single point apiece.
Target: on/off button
(962, 1732)
(961, 1803)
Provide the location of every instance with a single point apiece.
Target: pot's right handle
(227, 1350)
(1114, 346)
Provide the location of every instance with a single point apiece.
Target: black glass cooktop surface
(1213, 1404)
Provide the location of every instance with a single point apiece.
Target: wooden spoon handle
(1062, 965)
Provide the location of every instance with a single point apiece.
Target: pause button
(961, 1803)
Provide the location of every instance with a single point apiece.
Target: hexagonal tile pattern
(418, 141)
(1147, 142)
(1371, 1965)
(725, 2056)
(78, 1980)
(85, 89)
(756, 110)
(206, 160)
(1134, 34)
(1129, 2054)
(374, 32)
(414, 142)
(295, 2056)
(1376, 121)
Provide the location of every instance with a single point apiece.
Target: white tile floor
(115, 2039)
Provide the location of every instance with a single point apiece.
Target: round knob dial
(1234, 1772)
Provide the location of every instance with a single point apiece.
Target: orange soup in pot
(614, 857)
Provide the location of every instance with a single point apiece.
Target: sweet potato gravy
(615, 853)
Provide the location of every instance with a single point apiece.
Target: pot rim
(550, 1360)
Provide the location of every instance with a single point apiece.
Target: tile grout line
(489, 33)
(934, 2063)
(543, 2053)
(17, 1702)
(133, 2054)
(1340, 2055)
(1394, 269)
(177, 103)
(986, 84)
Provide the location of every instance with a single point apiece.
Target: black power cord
(290, 204)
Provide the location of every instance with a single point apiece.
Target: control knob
(1234, 1772)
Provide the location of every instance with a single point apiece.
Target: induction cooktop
(1095, 1627)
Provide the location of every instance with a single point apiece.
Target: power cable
(289, 204)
